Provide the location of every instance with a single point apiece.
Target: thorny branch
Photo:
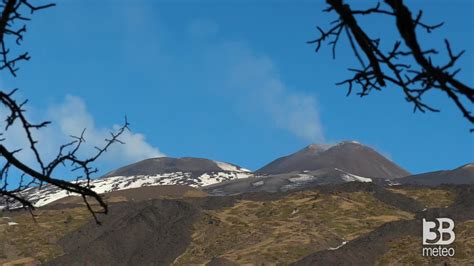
(394, 67)
(68, 154)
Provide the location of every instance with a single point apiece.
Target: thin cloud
(288, 109)
(251, 81)
(70, 118)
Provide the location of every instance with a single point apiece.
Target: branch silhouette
(68, 154)
(379, 69)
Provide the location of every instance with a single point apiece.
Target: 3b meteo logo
(437, 235)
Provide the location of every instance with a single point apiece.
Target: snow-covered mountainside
(347, 161)
(285, 181)
(194, 172)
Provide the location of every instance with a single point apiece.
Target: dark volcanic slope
(168, 165)
(351, 157)
(461, 175)
(152, 233)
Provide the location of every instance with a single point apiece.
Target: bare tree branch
(394, 68)
(29, 176)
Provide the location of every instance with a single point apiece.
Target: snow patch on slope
(302, 178)
(348, 177)
(338, 247)
(230, 167)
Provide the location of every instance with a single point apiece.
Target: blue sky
(230, 80)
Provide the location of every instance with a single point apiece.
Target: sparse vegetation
(407, 250)
(286, 230)
(251, 231)
(444, 197)
(37, 238)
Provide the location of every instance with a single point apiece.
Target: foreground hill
(352, 223)
(348, 156)
(399, 242)
(460, 175)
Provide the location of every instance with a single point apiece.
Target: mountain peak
(162, 165)
(350, 156)
(316, 148)
(312, 146)
(469, 166)
(350, 142)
